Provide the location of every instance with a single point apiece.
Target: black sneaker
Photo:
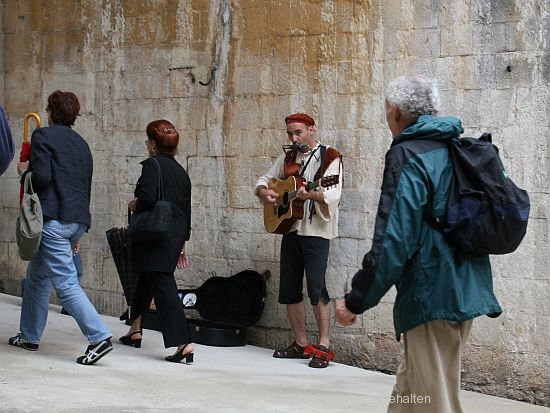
(18, 341)
(95, 351)
(63, 311)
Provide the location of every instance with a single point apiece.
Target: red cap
(300, 118)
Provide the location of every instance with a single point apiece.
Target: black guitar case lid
(227, 305)
(237, 300)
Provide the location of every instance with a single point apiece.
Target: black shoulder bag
(155, 223)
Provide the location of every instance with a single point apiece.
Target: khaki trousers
(428, 378)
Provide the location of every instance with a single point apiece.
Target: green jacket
(433, 281)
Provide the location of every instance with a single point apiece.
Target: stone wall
(227, 72)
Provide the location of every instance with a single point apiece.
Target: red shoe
(321, 356)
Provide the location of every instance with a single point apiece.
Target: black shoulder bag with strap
(155, 223)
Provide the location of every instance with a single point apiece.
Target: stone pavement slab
(222, 379)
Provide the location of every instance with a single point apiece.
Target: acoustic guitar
(281, 216)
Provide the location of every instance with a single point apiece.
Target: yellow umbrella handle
(26, 124)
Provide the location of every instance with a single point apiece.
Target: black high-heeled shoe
(129, 341)
(179, 356)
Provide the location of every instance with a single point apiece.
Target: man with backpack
(440, 290)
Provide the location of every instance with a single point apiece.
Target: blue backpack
(7, 146)
(486, 213)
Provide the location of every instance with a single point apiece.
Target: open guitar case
(226, 305)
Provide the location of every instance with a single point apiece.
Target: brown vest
(292, 168)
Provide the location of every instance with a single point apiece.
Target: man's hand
(268, 196)
(22, 167)
(76, 248)
(303, 194)
(343, 315)
(316, 196)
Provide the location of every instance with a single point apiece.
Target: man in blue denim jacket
(62, 167)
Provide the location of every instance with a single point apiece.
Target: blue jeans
(53, 265)
(79, 270)
(77, 259)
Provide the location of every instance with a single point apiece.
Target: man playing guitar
(305, 247)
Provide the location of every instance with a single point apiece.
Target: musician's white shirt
(324, 223)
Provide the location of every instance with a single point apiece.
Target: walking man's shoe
(94, 352)
(18, 341)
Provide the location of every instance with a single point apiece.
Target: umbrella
(25, 154)
(120, 247)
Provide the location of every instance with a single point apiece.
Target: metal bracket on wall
(211, 77)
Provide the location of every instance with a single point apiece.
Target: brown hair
(165, 136)
(64, 107)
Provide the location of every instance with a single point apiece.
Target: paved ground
(222, 379)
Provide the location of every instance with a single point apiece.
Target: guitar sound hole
(284, 207)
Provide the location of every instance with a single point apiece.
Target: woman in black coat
(155, 261)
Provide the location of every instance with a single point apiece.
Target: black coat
(163, 255)
(62, 167)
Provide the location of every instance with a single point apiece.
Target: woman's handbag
(28, 229)
(154, 223)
